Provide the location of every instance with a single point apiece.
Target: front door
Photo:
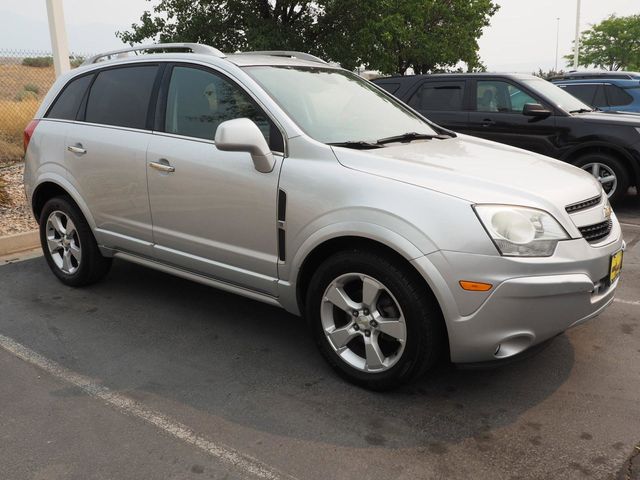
(213, 212)
(498, 116)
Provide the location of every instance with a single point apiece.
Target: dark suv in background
(530, 113)
(607, 91)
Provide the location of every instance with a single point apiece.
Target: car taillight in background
(28, 133)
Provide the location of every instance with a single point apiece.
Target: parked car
(277, 176)
(528, 112)
(615, 92)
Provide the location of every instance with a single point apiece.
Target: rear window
(442, 96)
(66, 106)
(617, 97)
(120, 96)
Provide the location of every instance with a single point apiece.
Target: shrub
(4, 196)
(38, 62)
(76, 61)
(30, 87)
(25, 95)
(14, 117)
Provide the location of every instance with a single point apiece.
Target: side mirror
(243, 135)
(535, 110)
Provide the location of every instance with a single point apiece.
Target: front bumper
(533, 299)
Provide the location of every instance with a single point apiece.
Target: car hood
(629, 119)
(478, 171)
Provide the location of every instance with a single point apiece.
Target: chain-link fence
(25, 78)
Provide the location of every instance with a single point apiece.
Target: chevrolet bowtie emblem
(607, 211)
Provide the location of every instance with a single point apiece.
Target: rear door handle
(487, 122)
(77, 149)
(162, 166)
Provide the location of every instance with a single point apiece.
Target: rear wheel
(374, 321)
(609, 171)
(68, 244)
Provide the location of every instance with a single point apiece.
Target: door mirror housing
(535, 110)
(243, 135)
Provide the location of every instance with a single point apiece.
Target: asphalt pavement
(147, 376)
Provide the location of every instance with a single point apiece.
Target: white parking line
(129, 406)
(629, 225)
(627, 302)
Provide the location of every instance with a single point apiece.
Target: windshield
(558, 96)
(336, 106)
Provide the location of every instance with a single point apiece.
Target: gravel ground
(15, 217)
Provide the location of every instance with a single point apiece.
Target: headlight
(521, 231)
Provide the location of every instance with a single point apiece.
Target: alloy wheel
(604, 174)
(63, 242)
(363, 322)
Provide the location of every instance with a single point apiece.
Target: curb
(19, 242)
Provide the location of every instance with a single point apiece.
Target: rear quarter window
(617, 97)
(120, 96)
(67, 103)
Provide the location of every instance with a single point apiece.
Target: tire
(607, 166)
(403, 295)
(70, 250)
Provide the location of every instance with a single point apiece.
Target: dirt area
(15, 214)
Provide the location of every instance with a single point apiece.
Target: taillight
(28, 133)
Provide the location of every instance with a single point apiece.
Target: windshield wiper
(356, 144)
(410, 136)
(582, 110)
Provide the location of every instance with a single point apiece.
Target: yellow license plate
(616, 266)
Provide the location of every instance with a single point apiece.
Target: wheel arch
(620, 153)
(51, 187)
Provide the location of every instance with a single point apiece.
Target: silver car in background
(277, 176)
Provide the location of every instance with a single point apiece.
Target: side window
(617, 97)
(586, 93)
(66, 106)
(389, 86)
(438, 96)
(120, 96)
(199, 100)
(499, 96)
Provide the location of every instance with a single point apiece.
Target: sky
(521, 38)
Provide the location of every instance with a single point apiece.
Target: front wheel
(374, 321)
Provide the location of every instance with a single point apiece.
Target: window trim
(158, 126)
(82, 112)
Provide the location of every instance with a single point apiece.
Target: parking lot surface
(149, 376)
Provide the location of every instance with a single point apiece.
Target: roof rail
(194, 47)
(285, 53)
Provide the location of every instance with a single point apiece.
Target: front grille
(576, 207)
(597, 231)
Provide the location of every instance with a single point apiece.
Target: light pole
(59, 44)
(555, 69)
(576, 45)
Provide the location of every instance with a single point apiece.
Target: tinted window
(198, 101)
(68, 102)
(617, 97)
(586, 93)
(443, 96)
(120, 96)
(498, 96)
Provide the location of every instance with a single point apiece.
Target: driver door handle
(77, 149)
(487, 122)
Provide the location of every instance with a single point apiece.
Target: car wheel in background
(609, 171)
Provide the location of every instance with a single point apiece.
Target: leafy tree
(386, 35)
(393, 35)
(613, 44)
(549, 74)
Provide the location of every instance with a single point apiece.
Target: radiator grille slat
(597, 231)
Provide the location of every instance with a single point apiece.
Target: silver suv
(277, 176)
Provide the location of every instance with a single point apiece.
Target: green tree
(386, 35)
(393, 35)
(613, 44)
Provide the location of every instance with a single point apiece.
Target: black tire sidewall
(423, 319)
(90, 258)
(620, 171)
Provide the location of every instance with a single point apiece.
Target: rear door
(106, 155)
(498, 116)
(443, 102)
